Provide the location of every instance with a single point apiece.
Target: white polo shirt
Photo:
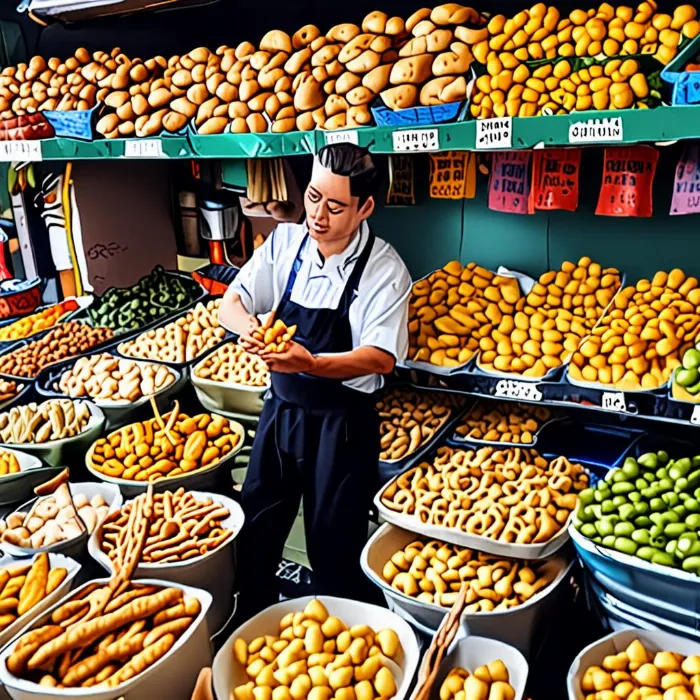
(379, 313)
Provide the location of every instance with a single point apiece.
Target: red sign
(509, 184)
(628, 176)
(555, 179)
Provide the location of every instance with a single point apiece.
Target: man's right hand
(246, 341)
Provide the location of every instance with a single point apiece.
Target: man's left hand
(295, 359)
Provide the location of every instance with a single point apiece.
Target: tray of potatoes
(641, 339)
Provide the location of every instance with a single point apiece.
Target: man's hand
(296, 358)
(246, 341)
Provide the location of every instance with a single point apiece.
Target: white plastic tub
(17, 487)
(516, 626)
(55, 561)
(214, 572)
(172, 677)
(75, 546)
(616, 642)
(228, 674)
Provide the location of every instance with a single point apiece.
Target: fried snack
(181, 528)
(181, 340)
(505, 421)
(551, 321)
(433, 572)
(22, 587)
(164, 447)
(410, 419)
(274, 334)
(490, 681)
(9, 389)
(639, 672)
(231, 364)
(66, 340)
(8, 463)
(453, 308)
(315, 650)
(39, 321)
(512, 495)
(105, 377)
(52, 519)
(642, 338)
(104, 649)
(53, 419)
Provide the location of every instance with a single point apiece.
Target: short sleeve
(385, 305)
(255, 281)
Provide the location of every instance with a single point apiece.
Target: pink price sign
(686, 187)
(509, 184)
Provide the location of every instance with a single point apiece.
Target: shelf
(626, 127)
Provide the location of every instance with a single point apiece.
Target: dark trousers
(330, 459)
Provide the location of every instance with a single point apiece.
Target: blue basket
(419, 116)
(77, 124)
(686, 87)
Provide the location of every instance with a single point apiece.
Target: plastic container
(117, 413)
(21, 301)
(78, 124)
(214, 572)
(173, 676)
(75, 546)
(419, 116)
(228, 674)
(685, 84)
(202, 478)
(516, 626)
(55, 560)
(616, 642)
(60, 452)
(16, 487)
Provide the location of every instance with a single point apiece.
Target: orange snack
(39, 321)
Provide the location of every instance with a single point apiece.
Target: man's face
(332, 213)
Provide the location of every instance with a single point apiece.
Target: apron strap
(293, 274)
(353, 283)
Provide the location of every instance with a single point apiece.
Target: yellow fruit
(521, 74)
(530, 95)
(494, 66)
(504, 80)
(508, 60)
(483, 83)
(513, 107)
(562, 69)
(661, 21)
(498, 42)
(543, 71)
(623, 100)
(665, 55)
(669, 38)
(495, 25)
(681, 15)
(527, 109)
(536, 52)
(606, 11)
(602, 83)
(639, 86)
(578, 17)
(480, 51)
(566, 50)
(498, 97)
(536, 84)
(625, 13)
(617, 33)
(595, 29)
(583, 103)
(691, 29)
(630, 47)
(582, 45)
(612, 66)
(596, 70)
(601, 99)
(633, 30)
(629, 67)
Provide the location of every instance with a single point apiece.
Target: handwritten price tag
(614, 401)
(695, 416)
(341, 137)
(510, 389)
(20, 151)
(416, 140)
(144, 148)
(494, 133)
(596, 130)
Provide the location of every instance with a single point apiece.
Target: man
(318, 436)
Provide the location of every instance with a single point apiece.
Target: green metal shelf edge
(638, 125)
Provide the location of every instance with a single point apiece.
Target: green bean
(643, 521)
(691, 504)
(693, 521)
(588, 530)
(662, 558)
(670, 499)
(681, 511)
(586, 497)
(624, 529)
(694, 480)
(619, 501)
(648, 460)
(692, 565)
(679, 468)
(622, 487)
(641, 508)
(608, 540)
(671, 547)
(662, 473)
(657, 505)
(641, 537)
(674, 529)
(627, 511)
(634, 497)
(647, 553)
(608, 507)
(625, 545)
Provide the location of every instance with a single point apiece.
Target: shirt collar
(340, 261)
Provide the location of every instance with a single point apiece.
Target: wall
(436, 231)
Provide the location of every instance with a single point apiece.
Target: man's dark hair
(351, 161)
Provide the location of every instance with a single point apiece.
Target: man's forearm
(348, 365)
(233, 314)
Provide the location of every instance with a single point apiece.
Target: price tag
(20, 151)
(494, 133)
(614, 401)
(341, 137)
(510, 389)
(144, 148)
(596, 130)
(416, 140)
(695, 416)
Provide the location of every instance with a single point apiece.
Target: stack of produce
(153, 296)
(513, 495)
(317, 656)
(231, 364)
(54, 419)
(641, 339)
(686, 378)
(515, 423)
(104, 377)
(67, 340)
(452, 308)
(180, 527)
(181, 340)
(638, 672)
(490, 681)
(649, 508)
(433, 572)
(163, 447)
(410, 419)
(39, 321)
(24, 586)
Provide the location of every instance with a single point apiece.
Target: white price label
(416, 140)
(20, 151)
(341, 137)
(510, 389)
(494, 133)
(695, 415)
(144, 148)
(596, 130)
(614, 401)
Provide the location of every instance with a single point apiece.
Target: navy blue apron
(317, 439)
